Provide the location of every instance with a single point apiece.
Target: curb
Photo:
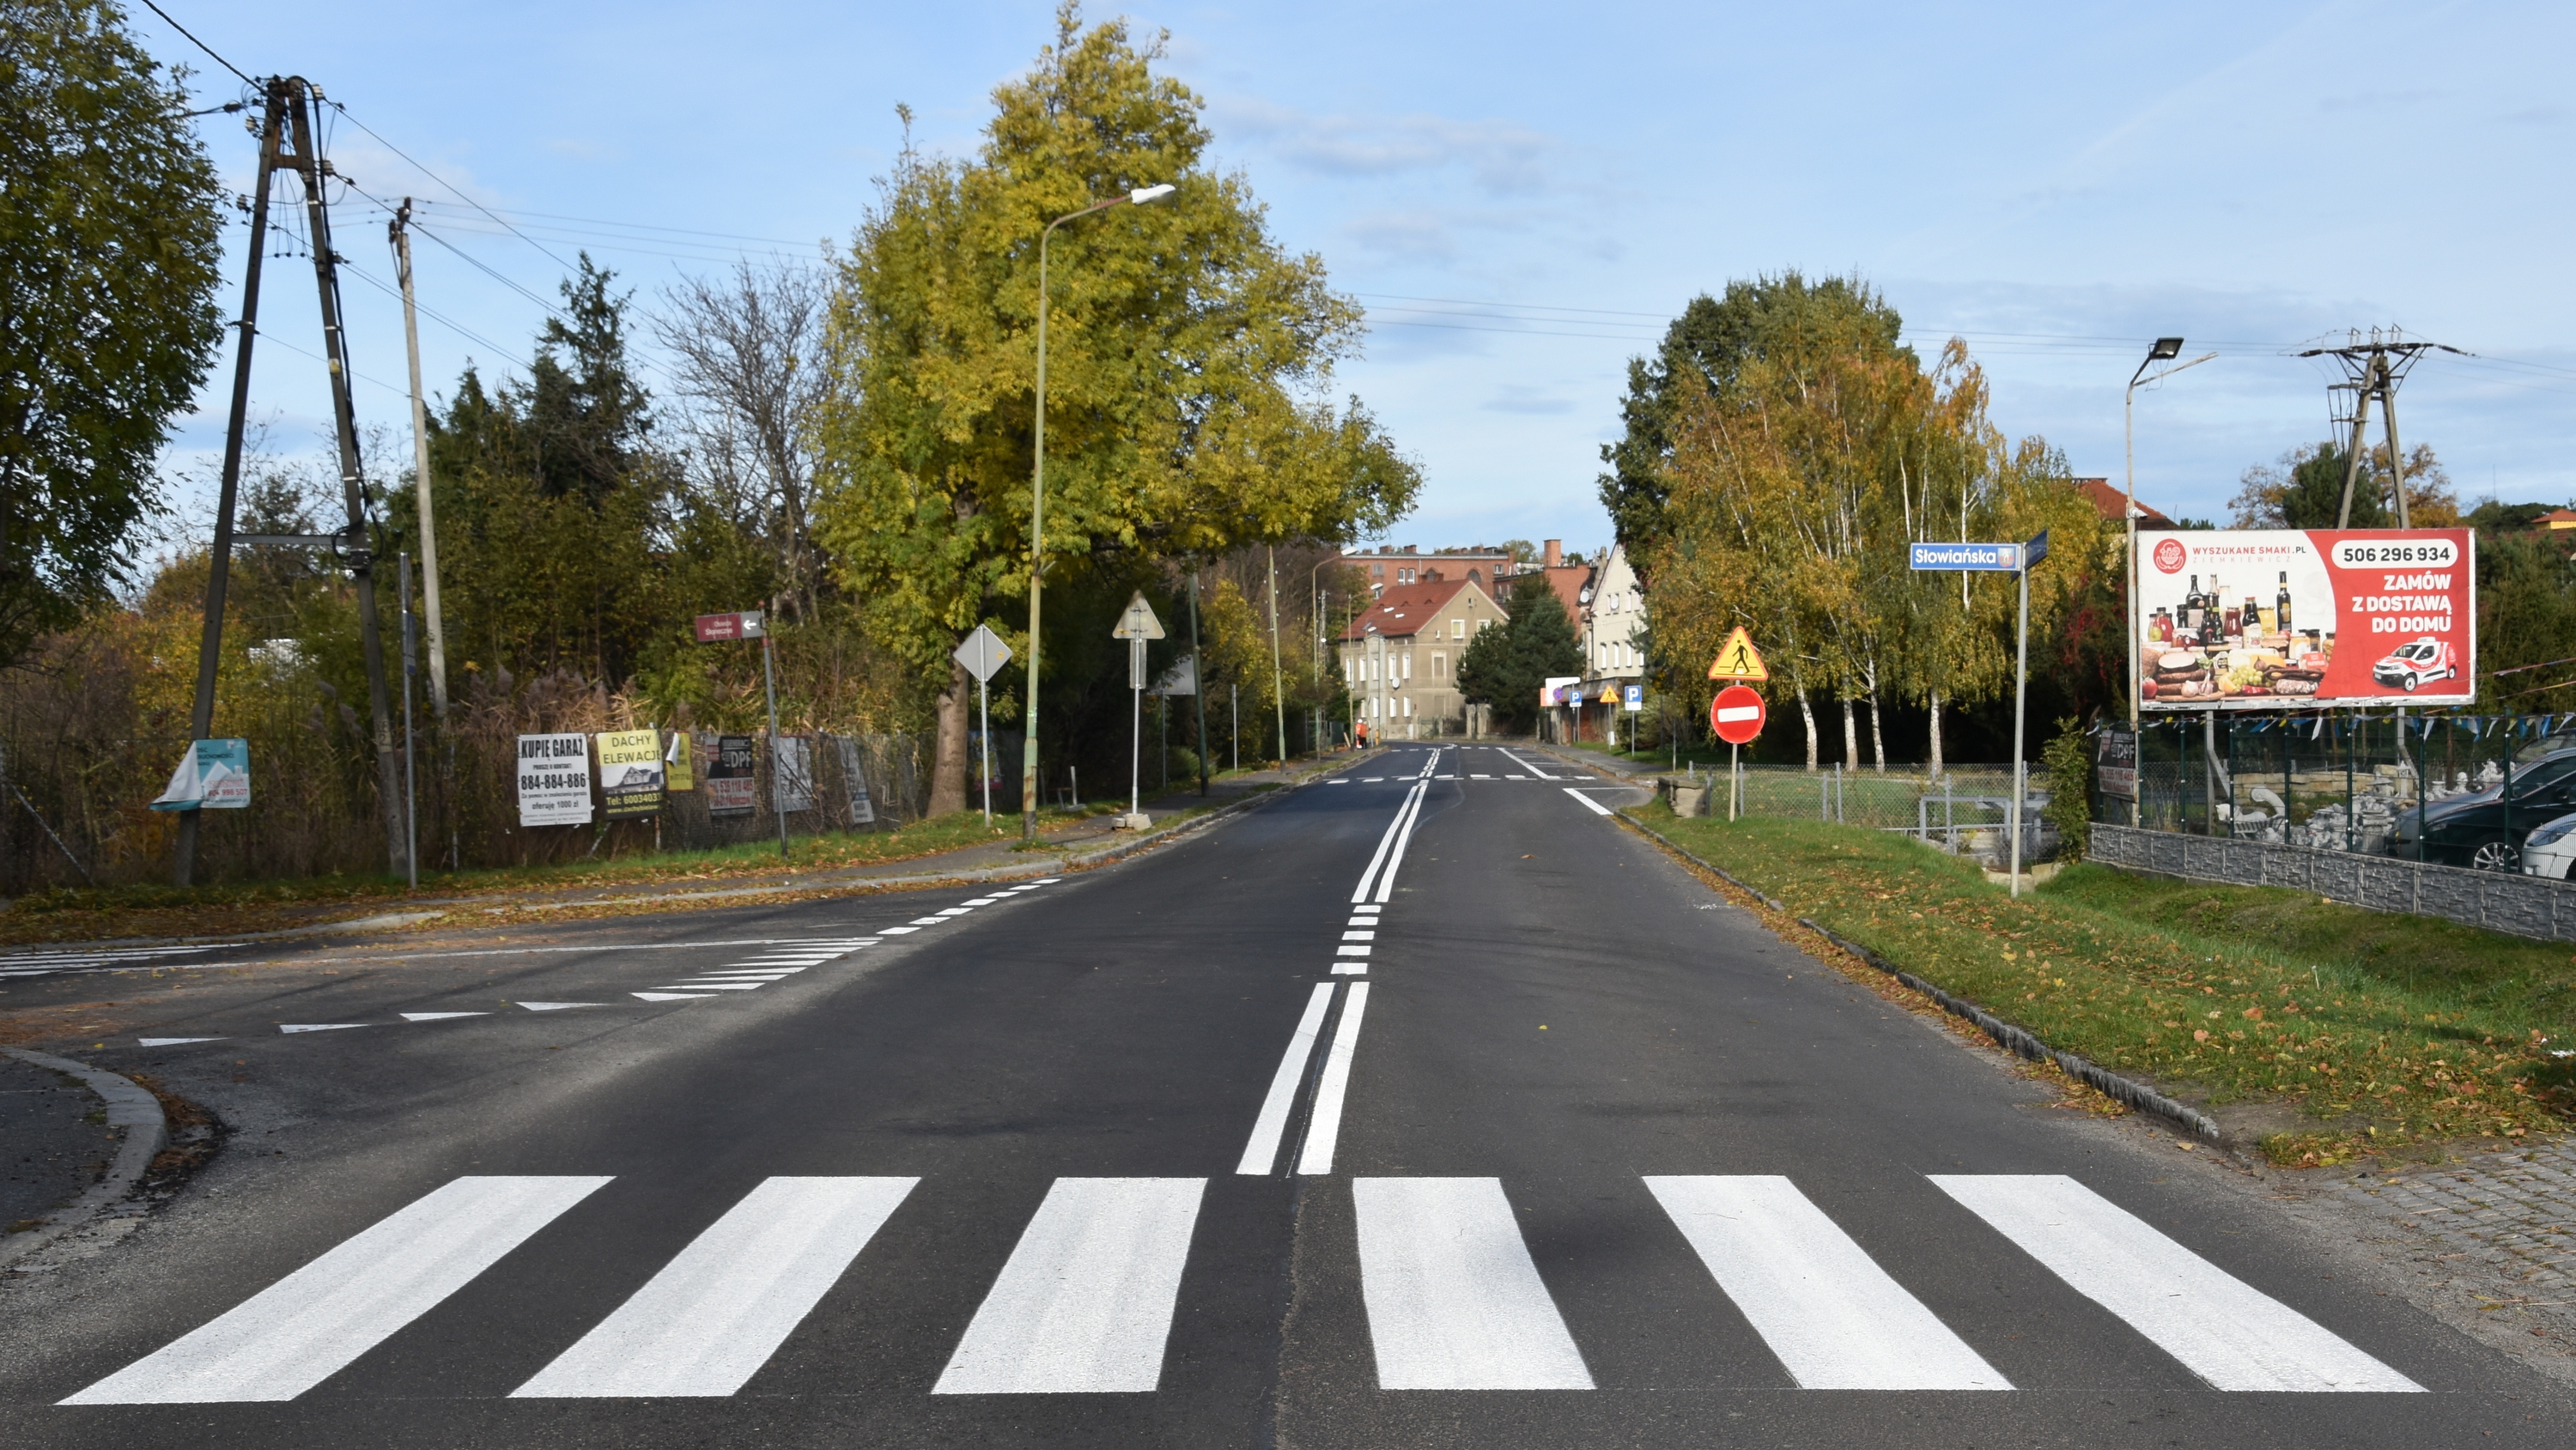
(147, 1131)
(2019, 1041)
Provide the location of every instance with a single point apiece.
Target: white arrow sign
(982, 653)
(1138, 622)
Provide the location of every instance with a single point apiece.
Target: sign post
(982, 653)
(1737, 713)
(1136, 626)
(747, 624)
(2016, 560)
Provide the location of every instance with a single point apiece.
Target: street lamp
(2165, 349)
(1037, 504)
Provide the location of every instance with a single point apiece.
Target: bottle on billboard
(2282, 605)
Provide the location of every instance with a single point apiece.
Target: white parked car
(2551, 850)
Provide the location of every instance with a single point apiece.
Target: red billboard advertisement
(2268, 619)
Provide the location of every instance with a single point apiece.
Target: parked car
(2551, 850)
(2410, 665)
(2470, 830)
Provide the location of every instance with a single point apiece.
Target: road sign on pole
(748, 624)
(1975, 558)
(2016, 560)
(982, 653)
(1136, 626)
(1739, 660)
(742, 624)
(1737, 715)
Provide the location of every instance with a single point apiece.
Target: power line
(450, 324)
(451, 186)
(199, 44)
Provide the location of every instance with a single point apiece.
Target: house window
(1439, 666)
(1408, 664)
(1377, 571)
(1457, 629)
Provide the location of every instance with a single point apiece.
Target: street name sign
(1736, 715)
(1739, 660)
(1979, 558)
(982, 653)
(742, 624)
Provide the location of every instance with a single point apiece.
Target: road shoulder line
(147, 1132)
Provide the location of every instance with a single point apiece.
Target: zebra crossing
(97, 959)
(1085, 1304)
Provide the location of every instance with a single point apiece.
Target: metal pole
(1278, 696)
(984, 717)
(2129, 580)
(1734, 780)
(420, 473)
(1037, 556)
(353, 484)
(1136, 726)
(2209, 772)
(2423, 788)
(201, 716)
(777, 783)
(2021, 679)
(2351, 744)
(411, 774)
(2396, 460)
(1198, 680)
(2370, 379)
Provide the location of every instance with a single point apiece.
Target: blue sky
(1522, 194)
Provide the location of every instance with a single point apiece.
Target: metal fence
(1964, 809)
(2334, 781)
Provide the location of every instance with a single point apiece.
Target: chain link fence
(1964, 809)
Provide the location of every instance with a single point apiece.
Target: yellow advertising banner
(630, 773)
(677, 773)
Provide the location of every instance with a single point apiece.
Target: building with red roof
(1400, 657)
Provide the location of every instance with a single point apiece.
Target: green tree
(1506, 666)
(1190, 361)
(2304, 490)
(109, 244)
(1709, 343)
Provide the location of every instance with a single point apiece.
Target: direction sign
(1978, 558)
(982, 653)
(1739, 660)
(1736, 715)
(1138, 622)
(743, 624)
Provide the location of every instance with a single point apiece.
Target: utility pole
(400, 235)
(201, 717)
(1278, 695)
(1198, 679)
(2375, 368)
(307, 162)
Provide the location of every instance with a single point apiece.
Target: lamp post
(2165, 349)
(1037, 503)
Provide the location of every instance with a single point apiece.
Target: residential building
(1612, 628)
(1400, 657)
(2106, 498)
(1388, 566)
(2556, 520)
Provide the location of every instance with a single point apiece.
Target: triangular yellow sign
(1739, 660)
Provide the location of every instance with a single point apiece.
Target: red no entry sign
(1736, 715)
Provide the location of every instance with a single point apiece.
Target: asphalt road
(1424, 1107)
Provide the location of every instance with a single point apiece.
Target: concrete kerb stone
(147, 1132)
(2018, 1040)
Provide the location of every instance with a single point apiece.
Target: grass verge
(140, 910)
(2383, 1033)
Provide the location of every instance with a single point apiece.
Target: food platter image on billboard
(2271, 619)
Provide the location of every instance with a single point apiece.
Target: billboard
(554, 780)
(2268, 619)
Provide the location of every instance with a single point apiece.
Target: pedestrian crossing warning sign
(1739, 660)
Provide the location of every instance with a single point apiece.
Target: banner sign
(213, 775)
(2260, 619)
(729, 787)
(863, 812)
(630, 774)
(791, 774)
(2115, 762)
(1982, 558)
(554, 780)
(678, 771)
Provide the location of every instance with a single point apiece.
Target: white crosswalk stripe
(1085, 1303)
(2222, 1328)
(1454, 1302)
(1087, 1300)
(299, 1331)
(713, 1317)
(1835, 1318)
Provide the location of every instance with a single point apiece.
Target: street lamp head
(2166, 347)
(1143, 194)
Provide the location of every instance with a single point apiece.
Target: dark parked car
(2470, 830)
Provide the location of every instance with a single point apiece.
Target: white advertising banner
(554, 780)
(791, 774)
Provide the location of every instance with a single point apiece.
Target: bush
(2068, 763)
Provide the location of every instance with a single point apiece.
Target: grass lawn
(144, 910)
(2384, 1031)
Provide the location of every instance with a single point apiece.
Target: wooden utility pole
(201, 717)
